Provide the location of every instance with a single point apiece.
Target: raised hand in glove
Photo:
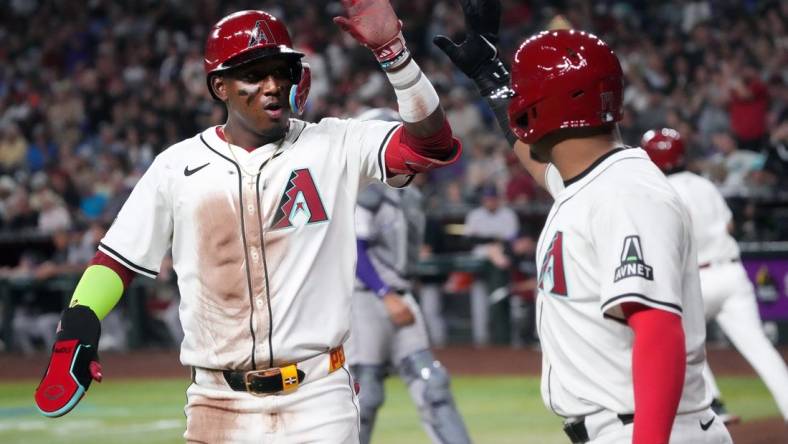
(477, 56)
(374, 24)
(73, 364)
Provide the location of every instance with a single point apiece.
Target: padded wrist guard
(73, 363)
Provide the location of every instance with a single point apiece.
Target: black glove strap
(81, 323)
(493, 82)
(492, 76)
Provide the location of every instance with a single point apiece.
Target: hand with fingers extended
(73, 364)
(477, 56)
(374, 24)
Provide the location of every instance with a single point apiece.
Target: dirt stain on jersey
(224, 308)
(212, 420)
(272, 422)
(221, 253)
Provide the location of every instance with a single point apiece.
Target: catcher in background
(728, 295)
(387, 327)
(620, 315)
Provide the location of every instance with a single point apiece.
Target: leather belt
(267, 381)
(726, 261)
(277, 379)
(578, 434)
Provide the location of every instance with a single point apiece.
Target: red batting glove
(374, 24)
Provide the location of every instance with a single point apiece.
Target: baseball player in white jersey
(259, 214)
(387, 328)
(619, 311)
(728, 294)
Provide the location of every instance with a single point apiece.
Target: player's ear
(219, 87)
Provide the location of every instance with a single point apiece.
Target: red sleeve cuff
(126, 275)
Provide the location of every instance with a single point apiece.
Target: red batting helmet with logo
(245, 36)
(665, 148)
(564, 79)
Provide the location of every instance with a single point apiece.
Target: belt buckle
(261, 374)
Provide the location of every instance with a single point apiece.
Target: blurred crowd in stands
(91, 91)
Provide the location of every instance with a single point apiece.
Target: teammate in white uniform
(728, 294)
(388, 329)
(259, 214)
(619, 311)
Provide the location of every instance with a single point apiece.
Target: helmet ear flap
(300, 91)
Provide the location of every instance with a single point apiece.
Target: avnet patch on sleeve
(640, 244)
(632, 262)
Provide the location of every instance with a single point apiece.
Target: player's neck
(240, 136)
(573, 156)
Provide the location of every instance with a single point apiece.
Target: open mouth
(274, 110)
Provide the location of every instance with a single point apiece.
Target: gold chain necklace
(252, 175)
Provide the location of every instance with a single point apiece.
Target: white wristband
(416, 96)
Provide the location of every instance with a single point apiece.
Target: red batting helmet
(665, 148)
(564, 79)
(245, 36)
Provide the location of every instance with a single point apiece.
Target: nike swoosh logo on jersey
(188, 172)
(706, 425)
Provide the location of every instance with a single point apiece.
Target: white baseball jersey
(710, 216)
(617, 233)
(265, 263)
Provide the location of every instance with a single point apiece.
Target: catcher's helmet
(564, 79)
(245, 36)
(665, 148)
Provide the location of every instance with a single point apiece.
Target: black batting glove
(73, 364)
(477, 57)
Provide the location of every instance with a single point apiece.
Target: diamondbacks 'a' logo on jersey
(260, 33)
(552, 277)
(632, 262)
(300, 203)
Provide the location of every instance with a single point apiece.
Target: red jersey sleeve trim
(126, 275)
